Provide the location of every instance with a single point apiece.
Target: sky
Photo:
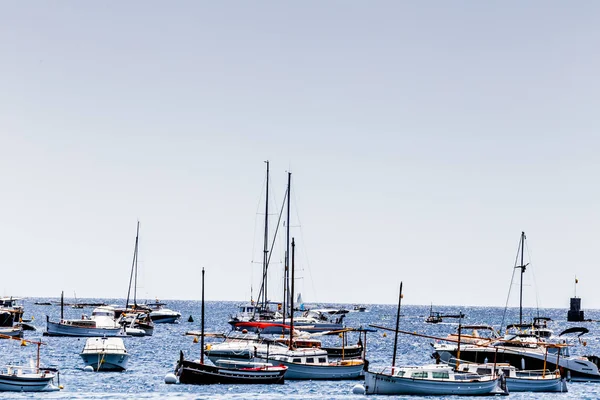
(422, 138)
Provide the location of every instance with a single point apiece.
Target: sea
(153, 357)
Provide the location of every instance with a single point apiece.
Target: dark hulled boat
(225, 372)
(198, 373)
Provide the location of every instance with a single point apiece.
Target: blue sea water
(153, 357)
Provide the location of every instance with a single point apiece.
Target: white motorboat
(12, 331)
(161, 315)
(105, 354)
(438, 380)
(521, 381)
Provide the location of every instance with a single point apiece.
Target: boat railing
(18, 369)
(536, 373)
(105, 347)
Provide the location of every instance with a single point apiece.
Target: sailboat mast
(286, 278)
(292, 298)
(137, 249)
(133, 264)
(202, 323)
(266, 241)
(397, 327)
(522, 271)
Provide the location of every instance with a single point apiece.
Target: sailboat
(310, 363)
(524, 350)
(262, 309)
(225, 371)
(135, 318)
(428, 380)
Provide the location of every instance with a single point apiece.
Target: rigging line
(271, 250)
(304, 246)
(511, 285)
(256, 216)
(532, 270)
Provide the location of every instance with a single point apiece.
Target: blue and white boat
(24, 379)
(101, 323)
(432, 380)
(105, 354)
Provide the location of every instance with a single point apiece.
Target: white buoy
(358, 389)
(170, 379)
(88, 368)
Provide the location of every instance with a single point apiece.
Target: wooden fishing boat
(17, 378)
(429, 380)
(225, 372)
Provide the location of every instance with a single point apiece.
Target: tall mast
(266, 242)
(137, 250)
(292, 298)
(397, 327)
(202, 323)
(286, 273)
(133, 265)
(522, 267)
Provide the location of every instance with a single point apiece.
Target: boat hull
(194, 373)
(331, 371)
(106, 362)
(376, 383)
(56, 329)
(26, 383)
(578, 370)
(164, 319)
(536, 385)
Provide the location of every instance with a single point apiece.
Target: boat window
(419, 374)
(310, 360)
(400, 373)
(322, 359)
(484, 371)
(297, 360)
(440, 375)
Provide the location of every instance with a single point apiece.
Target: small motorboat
(161, 315)
(105, 354)
(12, 331)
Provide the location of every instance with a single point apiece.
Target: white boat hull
(387, 384)
(26, 383)
(56, 329)
(106, 362)
(320, 372)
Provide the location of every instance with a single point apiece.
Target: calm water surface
(151, 358)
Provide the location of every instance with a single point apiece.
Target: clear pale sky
(423, 137)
